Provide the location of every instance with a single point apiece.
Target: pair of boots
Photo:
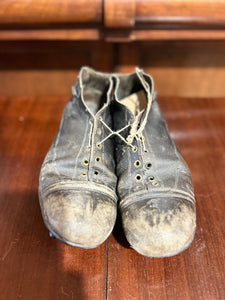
(113, 143)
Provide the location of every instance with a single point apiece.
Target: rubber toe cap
(79, 218)
(159, 227)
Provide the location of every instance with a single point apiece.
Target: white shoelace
(137, 126)
(134, 133)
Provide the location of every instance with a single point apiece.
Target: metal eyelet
(98, 159)
(148, 165)
(99, 146)
(83, 174)
(85, 162)
(134, 149)
(137, 163)
(138, 177)
(151, 178)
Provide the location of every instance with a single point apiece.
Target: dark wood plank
(32, 265)
(49, 68)
(85, 34)
(185, 69)
(198, 128)
(42, 68)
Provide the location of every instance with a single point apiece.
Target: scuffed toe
(79, 218)
(159, 227)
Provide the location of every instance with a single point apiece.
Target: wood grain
(92, 34)
(116, 13)
(52, 13)
(198, 128)
(112, 20)
(109, 35)
(38, 68)
(46, 68)
(34, 266)
(119, 13)
(188, 12)
(164, 35)
(186, 69)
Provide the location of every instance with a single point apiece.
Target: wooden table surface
(34, 266)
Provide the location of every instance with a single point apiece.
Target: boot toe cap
(79, 218)
(160, 227)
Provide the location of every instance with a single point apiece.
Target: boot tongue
(135, 102)
(139, 104)
(134, 91)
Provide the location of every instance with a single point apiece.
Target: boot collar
(86, 74)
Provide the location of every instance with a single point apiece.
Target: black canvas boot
(155, 189)
(77, 180)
